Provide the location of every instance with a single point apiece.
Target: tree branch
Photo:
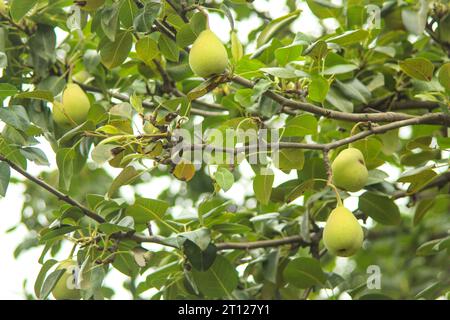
(61, 196)
(433, 118)
(262, 243)
(150, 105)
(332, 114)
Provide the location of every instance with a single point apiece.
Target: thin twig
(57, 193)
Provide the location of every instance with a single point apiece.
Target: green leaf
(324, 9)
(380, 208)
(41, 276)
(169, 48)
(38, 94)
(201, 260)
(318, 88)
(317, 50)
(16, 117)
(418, 68)
(335, 99)
(12, 153)
(289, 159)
(349, 37)
(231, 228)
(289, 53)
(237, 50)
(422, 208)
(50, 282)
(36, 155)
(304, 272)
(49, 234)
(102, 153)
(145, 210)
(128, 12)
(5, 174)
(300, 126)
(146, 17)
(283, 73)
(262, 186)
(114, 53)
(224, 178)
(444, 76)
(125, 263)
(418, 178)
(218, 281)
(274, 26)
(124, 225)
(7, 90)
(110, 20)
(147, 50)
(125, 177)
(65, 158)
(19, 8)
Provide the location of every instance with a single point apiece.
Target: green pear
(208, 55)
(349, 170)
(90, 5)
(342, 235)
(74, 107)
(65, 288)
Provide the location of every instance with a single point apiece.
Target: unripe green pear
(65, 288)
(74, 107)
(349, 170)
(342, 235)
(90, 5)
(208, 55)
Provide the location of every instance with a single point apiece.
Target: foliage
(177, 230)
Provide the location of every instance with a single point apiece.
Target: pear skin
(65, 288)
(349, 170)
(59, 117)
(74, 107)
(342, 235)
(208, 55)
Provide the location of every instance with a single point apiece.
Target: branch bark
(433, 118)
(61, 196)
(332, 114)
(122, 97)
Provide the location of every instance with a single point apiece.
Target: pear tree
(221, 150)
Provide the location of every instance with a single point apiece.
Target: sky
(14, 271)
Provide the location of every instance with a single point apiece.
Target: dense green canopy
(374, 75)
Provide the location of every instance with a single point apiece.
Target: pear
(74, 107)
(90, 5)
(184, 171)
(349, 170)
(342, 235)
(65, 288)
(208, 55)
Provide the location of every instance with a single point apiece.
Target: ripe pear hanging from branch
(342, 235)
(65, 288)
(208, 55)
(349, 170)
(74, 107)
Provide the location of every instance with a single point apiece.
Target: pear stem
(338, 197)
(205, 13)
(356, 126)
